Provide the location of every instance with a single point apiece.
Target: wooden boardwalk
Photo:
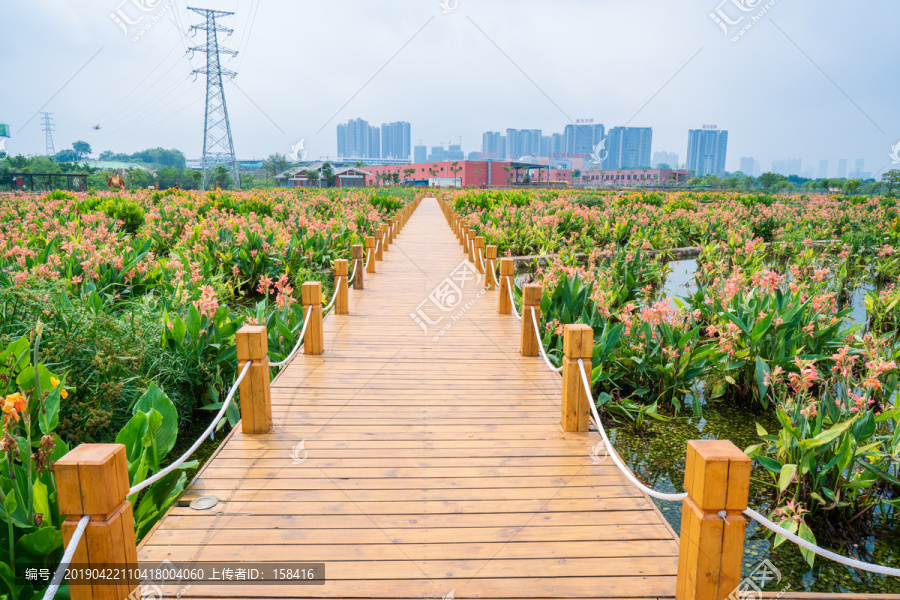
(431, 466)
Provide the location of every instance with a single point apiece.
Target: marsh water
(657, 455)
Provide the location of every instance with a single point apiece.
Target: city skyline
(141, 96)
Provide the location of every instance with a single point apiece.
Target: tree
(275, 164)
(313, 175)
(891, 181)
(65, 156)
(407, 173)
(508, 170)
(663, 166)
(328, 174)
(851, 186)
(455, 168)
(222, 177)
(395, 177)
(107, 155)
(772, 181)
(576, 173)
(81, 149)
(359, 164)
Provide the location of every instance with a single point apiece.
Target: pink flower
(207, 304)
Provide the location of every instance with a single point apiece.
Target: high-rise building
(438, 154)
(545, 146)
(493, 146)
(455, 153)
(664, 158)
(356, 139)
(557, 145)
(750, 166)
(842, 168)
(628, 148)
(706, 151)
(420, 154)
(396, 139)
(580, 140)
(823, 169)
(788, 166)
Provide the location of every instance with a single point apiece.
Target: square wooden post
(479, 253)
(490, 261)
(464, 236)
(578, 343)
(256, 397)
(531, 298)
(385, 237)
(379, 244)
(359, 278)
(92, 480)
(470, 245)
(504, 304)
(342, 303)
(370, 254)
(311, 295)
(717, 480)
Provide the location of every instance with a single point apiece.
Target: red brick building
(471, 173)
(632, 177)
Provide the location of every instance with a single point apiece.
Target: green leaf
(48, 418)
(864, 427)
(8, 581)
(41, 501)
(40, 545)
(770, 464)
(167, 433)
(132, 436)
(827, 436)
(786, 475)
(804, 532)
(762, 371)
(760, 430)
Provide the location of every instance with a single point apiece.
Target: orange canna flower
(62, 391)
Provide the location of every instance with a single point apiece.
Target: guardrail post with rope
(379, 243)
(717, 480)
(311, 296)
(490, 257)
(92, 480)
(479, 253)
(256, 397)
(464, 236)
(531, 306)
(470, 245)
(342, 297)
(386, 237)
(356, 254)
(370, 254)
(578, 343)
(395, 228)
(504, 302)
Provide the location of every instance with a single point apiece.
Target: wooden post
(578, 342)
(504, 304)
(395, 228)
(379, 244)
(342, 303)
(531, 297)
(92, 480)
(356, 254)
(386, 237)
(370, 254)
(256, 397)
(311, 295)
(717, 480)
(470, 245)
(463, 236)
(479, 253)
(490, 260)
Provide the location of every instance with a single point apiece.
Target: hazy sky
(810, 79)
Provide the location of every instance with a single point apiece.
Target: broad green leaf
(786, 475)
(41, 501)
(48, 418)
(167, 432)
(762, 372)
(41, 544)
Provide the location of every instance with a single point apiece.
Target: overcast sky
(810, 79)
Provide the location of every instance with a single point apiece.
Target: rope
(369, 258)
(377, 246)
(541, 344)
(478, 253)
(297, 345)
(850, 562)
(612, 453)
(337, 286)
(67, 558)
(512, 300)
(151, 480)
(353, 274)
(494, 273)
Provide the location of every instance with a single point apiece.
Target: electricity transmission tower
(48, 131)
(218, 147)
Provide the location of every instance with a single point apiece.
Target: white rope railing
(512, 300)
(493, 272)
(371, 253)
(850, 562)
(151, 480)
(541, 344)
(297, 345)
(612, 453)
(67, 558)
(353, 274)
(337, 287)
